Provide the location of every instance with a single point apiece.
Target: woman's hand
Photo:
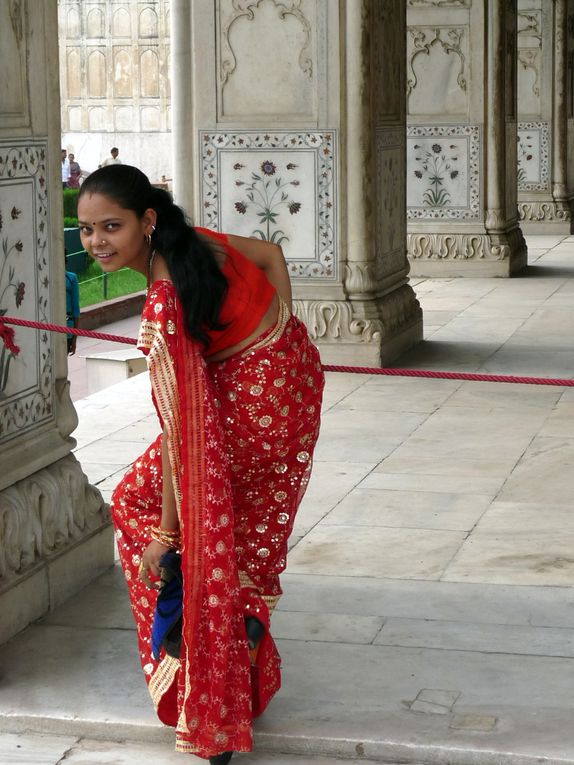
(150, 563)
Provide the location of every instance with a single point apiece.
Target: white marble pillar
(54, 530)
(289, 126)
(461, 140)
(544, 197)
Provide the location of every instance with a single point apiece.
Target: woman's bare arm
(269, 258)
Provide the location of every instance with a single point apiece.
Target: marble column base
(545, 216)
(466, 254)
(363, 332)
(55, 537)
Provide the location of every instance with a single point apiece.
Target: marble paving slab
(465, 602)
(375, 551)
(545, 474)
(408, 509)
(480, 638)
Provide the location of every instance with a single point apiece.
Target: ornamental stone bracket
(534, 214)
(476, 254)
(363, 332)
(55, 537)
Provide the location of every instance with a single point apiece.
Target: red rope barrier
(389, 371)
(67, 330)
(474, 376)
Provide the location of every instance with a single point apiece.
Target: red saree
(241, 434)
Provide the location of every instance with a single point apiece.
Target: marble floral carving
(10, 287)
(279, 184)
(27, 386)
(45, 513)
(434, 167)
(443, 172)
(334, 320)
(533, 156)
(271, 196)
(544, 211)
(455, 247)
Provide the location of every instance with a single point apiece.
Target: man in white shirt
(113, 160)
(65, 169)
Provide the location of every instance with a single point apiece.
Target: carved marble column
(461, 139)
(295, 113)
(544, 197)
(54, 530)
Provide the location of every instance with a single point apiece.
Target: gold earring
(147, 238)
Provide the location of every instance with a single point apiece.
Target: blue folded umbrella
(167, 622)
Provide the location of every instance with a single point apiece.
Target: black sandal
(221, 759)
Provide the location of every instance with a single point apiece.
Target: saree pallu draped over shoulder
(240, 436)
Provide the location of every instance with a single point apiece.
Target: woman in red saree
(237, 386)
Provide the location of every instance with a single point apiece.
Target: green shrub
(71, 203)
(70, 222)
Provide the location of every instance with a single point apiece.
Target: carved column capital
(360, 281)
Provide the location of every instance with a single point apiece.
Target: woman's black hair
(197, 278)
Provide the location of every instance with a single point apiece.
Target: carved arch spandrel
(423, 39)
(247, 8)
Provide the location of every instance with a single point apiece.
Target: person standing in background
(75, 173)
(113, 160)
(65, 169)
(72, 305)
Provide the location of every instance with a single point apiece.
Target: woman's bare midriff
(269, 320)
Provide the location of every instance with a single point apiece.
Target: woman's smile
(113, 236)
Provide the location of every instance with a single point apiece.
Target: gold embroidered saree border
(164, 384)
(162, 678)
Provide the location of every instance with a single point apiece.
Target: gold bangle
(170, 539)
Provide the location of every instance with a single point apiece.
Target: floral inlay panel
(26, 359)
(533, 156)
(278, 187)
(443, 172)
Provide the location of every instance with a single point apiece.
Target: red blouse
(249, 295)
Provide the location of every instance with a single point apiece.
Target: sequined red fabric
(243, 434)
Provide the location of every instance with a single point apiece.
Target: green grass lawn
(119, 283)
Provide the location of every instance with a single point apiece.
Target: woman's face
(113, 236)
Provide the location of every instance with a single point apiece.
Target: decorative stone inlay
(533, 156)
(26, 378)
(46, 512)
(443, 172)
(544, 211)
(455, 247)
(278, 186)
